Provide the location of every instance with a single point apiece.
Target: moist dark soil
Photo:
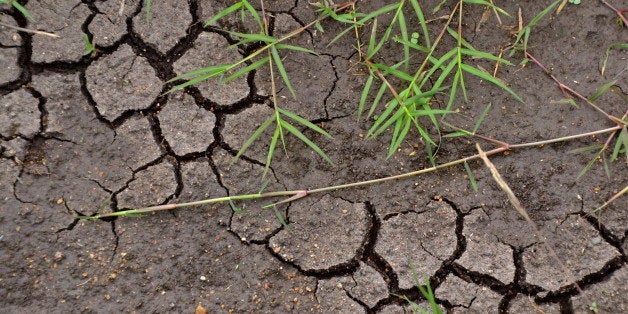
(82, 134)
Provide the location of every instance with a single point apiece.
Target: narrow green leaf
(474, 184)
(383, 117)
(364, 95)
(235, 208)
(148, 9)
(602, 90)
(590, 164)
(458, 134)
(215, 70)
(306, 140)
(621, 142)
(608, 52)
(279, 216)
(254, 137)
(396, 142)
(378, 98)
(271, 150)
(412, 45)
(586, 149)
(304, 122)
(539, 16)
(457, 36)
(403, 28)
(402, 75)
(372, 38)
(254, 37)
(453, 90)
(253, 13)
(282, 70)
(224, 13)
(488, 77)
(481, 119)
(22, 10)
(488, 4)
(247, 69)
(484, 55)
(296, 48)
(422, 22)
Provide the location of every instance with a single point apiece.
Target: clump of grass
(427, 292)
(269, 54)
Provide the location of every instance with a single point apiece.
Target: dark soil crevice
(605, 272)
(604, 232)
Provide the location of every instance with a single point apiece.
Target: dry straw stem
(297, 194)
(517, 205)
(26, 30)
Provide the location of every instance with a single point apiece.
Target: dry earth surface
(86, 134)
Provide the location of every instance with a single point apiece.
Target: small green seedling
(574, 1)
(89, 46)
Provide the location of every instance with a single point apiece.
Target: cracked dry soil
(86, 134)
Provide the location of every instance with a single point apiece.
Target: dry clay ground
(81, 134)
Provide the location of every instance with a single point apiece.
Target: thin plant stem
(620, 13)
(26, 30)
(564, 88)
(297, 194)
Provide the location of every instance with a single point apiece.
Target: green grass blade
(458, 134)
(364, 95)
(488, 4)
(383, 122)
(247, 69)
(235, 208)
(607, 54)
(224, 13)
(439, 65)
(485, 76)
(149, 5)
(391, 106)
(254, 137)
(400, 74)
(304, 122)
(296, 48)
(602, 90)
(253, 13)
(378, 98)
(282, 70)
(481, 119)
(398, 139)
(621, 145)
(457, 36)
(412, 45)
(445, 74)
(453, 90)
(590, 164)
(254, 37)
(539, 16)
(422, 22)
(22, 10)
(271, 150)
(372, 38)
(306, 140)
(192, 82)
(403, 28)
(279, 216)
(216, 69)
(474, 183)
(586, 149)
(484, 55)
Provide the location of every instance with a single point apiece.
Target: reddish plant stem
(620, 13)
(568, 90)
